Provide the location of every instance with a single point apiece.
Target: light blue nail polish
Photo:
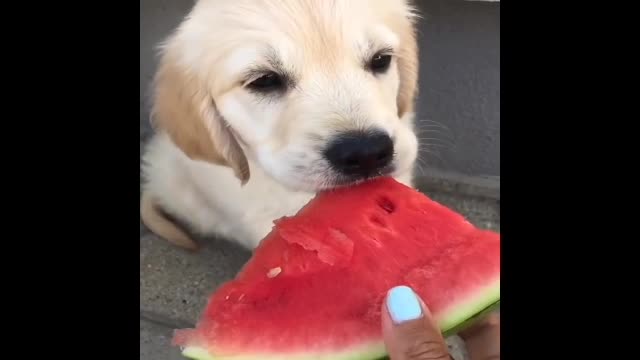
(403, 304)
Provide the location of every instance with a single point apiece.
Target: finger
(483, 339)
(408, 329)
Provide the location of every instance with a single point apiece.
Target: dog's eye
(380, 63)
(267, 82)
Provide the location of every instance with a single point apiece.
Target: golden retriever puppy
(259, 104)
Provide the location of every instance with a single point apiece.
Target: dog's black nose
(360, 153)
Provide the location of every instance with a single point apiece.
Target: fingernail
(403, 304)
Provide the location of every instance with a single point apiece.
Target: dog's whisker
(433, 138)
(432, 126)
(429, 145)
(435, 154)
(435, 134)
(421, 164)
(436, 123)
(436, 140)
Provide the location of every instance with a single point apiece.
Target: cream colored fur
(227, 161)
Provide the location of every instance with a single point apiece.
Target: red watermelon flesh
(315, 285)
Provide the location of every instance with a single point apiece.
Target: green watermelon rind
(464, 315)
(364, 352)
(467, 313)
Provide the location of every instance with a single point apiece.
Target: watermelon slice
(314, 287)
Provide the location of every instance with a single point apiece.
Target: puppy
(259, 104)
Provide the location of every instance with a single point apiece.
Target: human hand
(410, 333)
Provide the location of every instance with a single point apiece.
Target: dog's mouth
(313, 173)
(342, 180)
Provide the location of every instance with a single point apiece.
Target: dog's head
(318, 93)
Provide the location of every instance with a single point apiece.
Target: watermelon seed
(274, 272)
(378, 221)
(387, 205)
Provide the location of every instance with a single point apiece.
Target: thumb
(408, 329)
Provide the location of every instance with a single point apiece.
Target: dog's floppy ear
(407, 64)
(184, 110)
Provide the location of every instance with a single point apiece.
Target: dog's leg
(159, 224)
